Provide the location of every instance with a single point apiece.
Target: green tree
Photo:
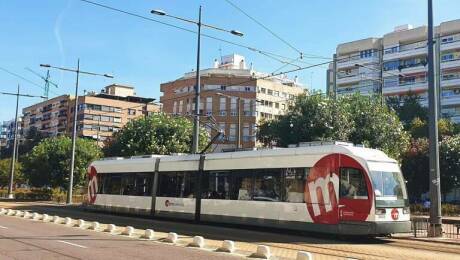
(309, 118)
(374, 124)
(358, 119)
(48, 164)
(415, 165)
(155, 134)
(407, 108)
(5, 166)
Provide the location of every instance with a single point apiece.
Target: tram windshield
(389, 189)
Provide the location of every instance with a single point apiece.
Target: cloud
(57, 35)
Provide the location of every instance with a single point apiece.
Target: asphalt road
(28, 239)
(283, 244)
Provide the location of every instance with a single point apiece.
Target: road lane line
(3, 227)
(72, 244)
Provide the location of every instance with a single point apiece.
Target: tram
(319, 187)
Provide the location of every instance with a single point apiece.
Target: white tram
(333, 188)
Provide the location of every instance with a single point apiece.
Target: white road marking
(72, 244)
(3, 227)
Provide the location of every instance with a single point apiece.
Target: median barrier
(95, 226)
(262, 252)
(228, 246)
(149, 234)
(128, 231)
(171, 238)
(302, 255)
(198, 241)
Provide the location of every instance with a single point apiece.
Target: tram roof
(266, 158)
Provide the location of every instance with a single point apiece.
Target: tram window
(352, 184)
(295, 184)
(242, 185)
(176, 184)
(114, 184)
(128, 184)
(216, 185)
(143, 184)
(267, 185)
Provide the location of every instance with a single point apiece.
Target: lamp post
(238, 135)
(196, 118)
(74, 131)
(15, 139)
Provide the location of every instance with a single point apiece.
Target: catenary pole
(13, 158)
(435, 182)
(196, 118)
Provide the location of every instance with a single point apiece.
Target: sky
(144, 54)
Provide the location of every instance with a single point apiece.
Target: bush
(447, 209)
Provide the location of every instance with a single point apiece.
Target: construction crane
(47, 80)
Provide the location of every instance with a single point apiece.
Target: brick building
(221, 87)
(99, 114)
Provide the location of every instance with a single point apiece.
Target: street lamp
(74, 131)
(238, 100)
(196, 118)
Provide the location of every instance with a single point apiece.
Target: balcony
(348, 79)
(407, 70)
(403, 88)
(344, 62)
(405, 54)
(450, 100)
(451, 82)
(450, 45)
(450, 64)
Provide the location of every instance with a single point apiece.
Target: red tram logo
(321, 190)
(92, 185)
(394, 214)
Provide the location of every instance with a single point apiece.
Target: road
(284, 245)
(28, 239)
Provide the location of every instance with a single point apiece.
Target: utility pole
(437, 54)
(196, 118)
(75, 113)
(13, 158)
(15, 139)
(334, 75)
(435, 229)
(238, 143)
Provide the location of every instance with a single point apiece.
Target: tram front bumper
(391, 227)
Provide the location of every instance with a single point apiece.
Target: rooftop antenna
(220, 53)
(47, 82)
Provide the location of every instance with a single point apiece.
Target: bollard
(172, 237)
(10, 212)
(56, 219)
(95, 226)
(81, 223)
(18, 213)
(35, 216)
(198, 241)
(26, 214)
(263, 252)
(149, 234)
(111, 228)
(67, 221)
(227, 246)
(45, 217)
(302, 255)
(128, 231)
(2, 211)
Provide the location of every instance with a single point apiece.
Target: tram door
(355, 196)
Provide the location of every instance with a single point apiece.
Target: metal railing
(450, 227)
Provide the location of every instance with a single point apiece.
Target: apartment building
(99, 115)
(396, 64)
(222, 86)
(7, 133)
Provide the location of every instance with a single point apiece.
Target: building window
(270, 92)
(181, 104)
(175, 107)
(232, 135)
(366, 54)
(263, 90)
(223, 87)
(131, 111)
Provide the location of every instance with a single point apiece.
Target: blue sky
(144, 54)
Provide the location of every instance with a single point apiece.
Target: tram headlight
(380, 211)
(406, 210)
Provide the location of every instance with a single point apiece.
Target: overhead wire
(301, 53)
(25, 79)
(265, 53)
